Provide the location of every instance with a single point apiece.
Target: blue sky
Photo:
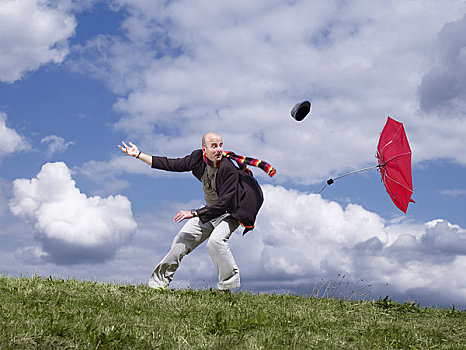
(76, 78)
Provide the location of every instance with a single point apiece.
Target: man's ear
(203, 149)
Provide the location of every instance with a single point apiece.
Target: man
(232, 196)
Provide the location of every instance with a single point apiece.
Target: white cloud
(34, 32)
(238, 68)
(56, 144)
(70, 226)
(108, 173)
(119, 164)
(454, 192)
(444, 238)
(10, 140)
(310, 234)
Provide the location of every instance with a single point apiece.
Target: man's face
(213, 147)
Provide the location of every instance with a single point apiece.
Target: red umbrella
(394, 158)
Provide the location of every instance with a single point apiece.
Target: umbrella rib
(387, 187)
(398, 155)
(394, 135)
(391, 178)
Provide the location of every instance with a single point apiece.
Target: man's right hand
(132, 151)
(183, 214)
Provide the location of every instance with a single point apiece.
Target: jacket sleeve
(174, 164)
(226, 195)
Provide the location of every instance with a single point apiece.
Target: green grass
(48, 313)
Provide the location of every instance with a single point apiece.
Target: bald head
(212, 147)
(209, 135)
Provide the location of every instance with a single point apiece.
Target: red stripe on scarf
(251, 161)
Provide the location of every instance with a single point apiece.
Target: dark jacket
(238, 192)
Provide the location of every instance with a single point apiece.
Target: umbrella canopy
(394, 157)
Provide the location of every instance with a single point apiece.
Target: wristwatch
(194, 212)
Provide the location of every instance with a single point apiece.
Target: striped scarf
(243, 162)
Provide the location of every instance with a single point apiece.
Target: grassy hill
(47, 313)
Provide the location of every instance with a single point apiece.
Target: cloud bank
(70, 227)
(301, 238)
(300, 241)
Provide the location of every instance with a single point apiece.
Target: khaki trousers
(193, 233)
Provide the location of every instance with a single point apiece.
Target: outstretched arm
(180, 164)
(133, 151)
